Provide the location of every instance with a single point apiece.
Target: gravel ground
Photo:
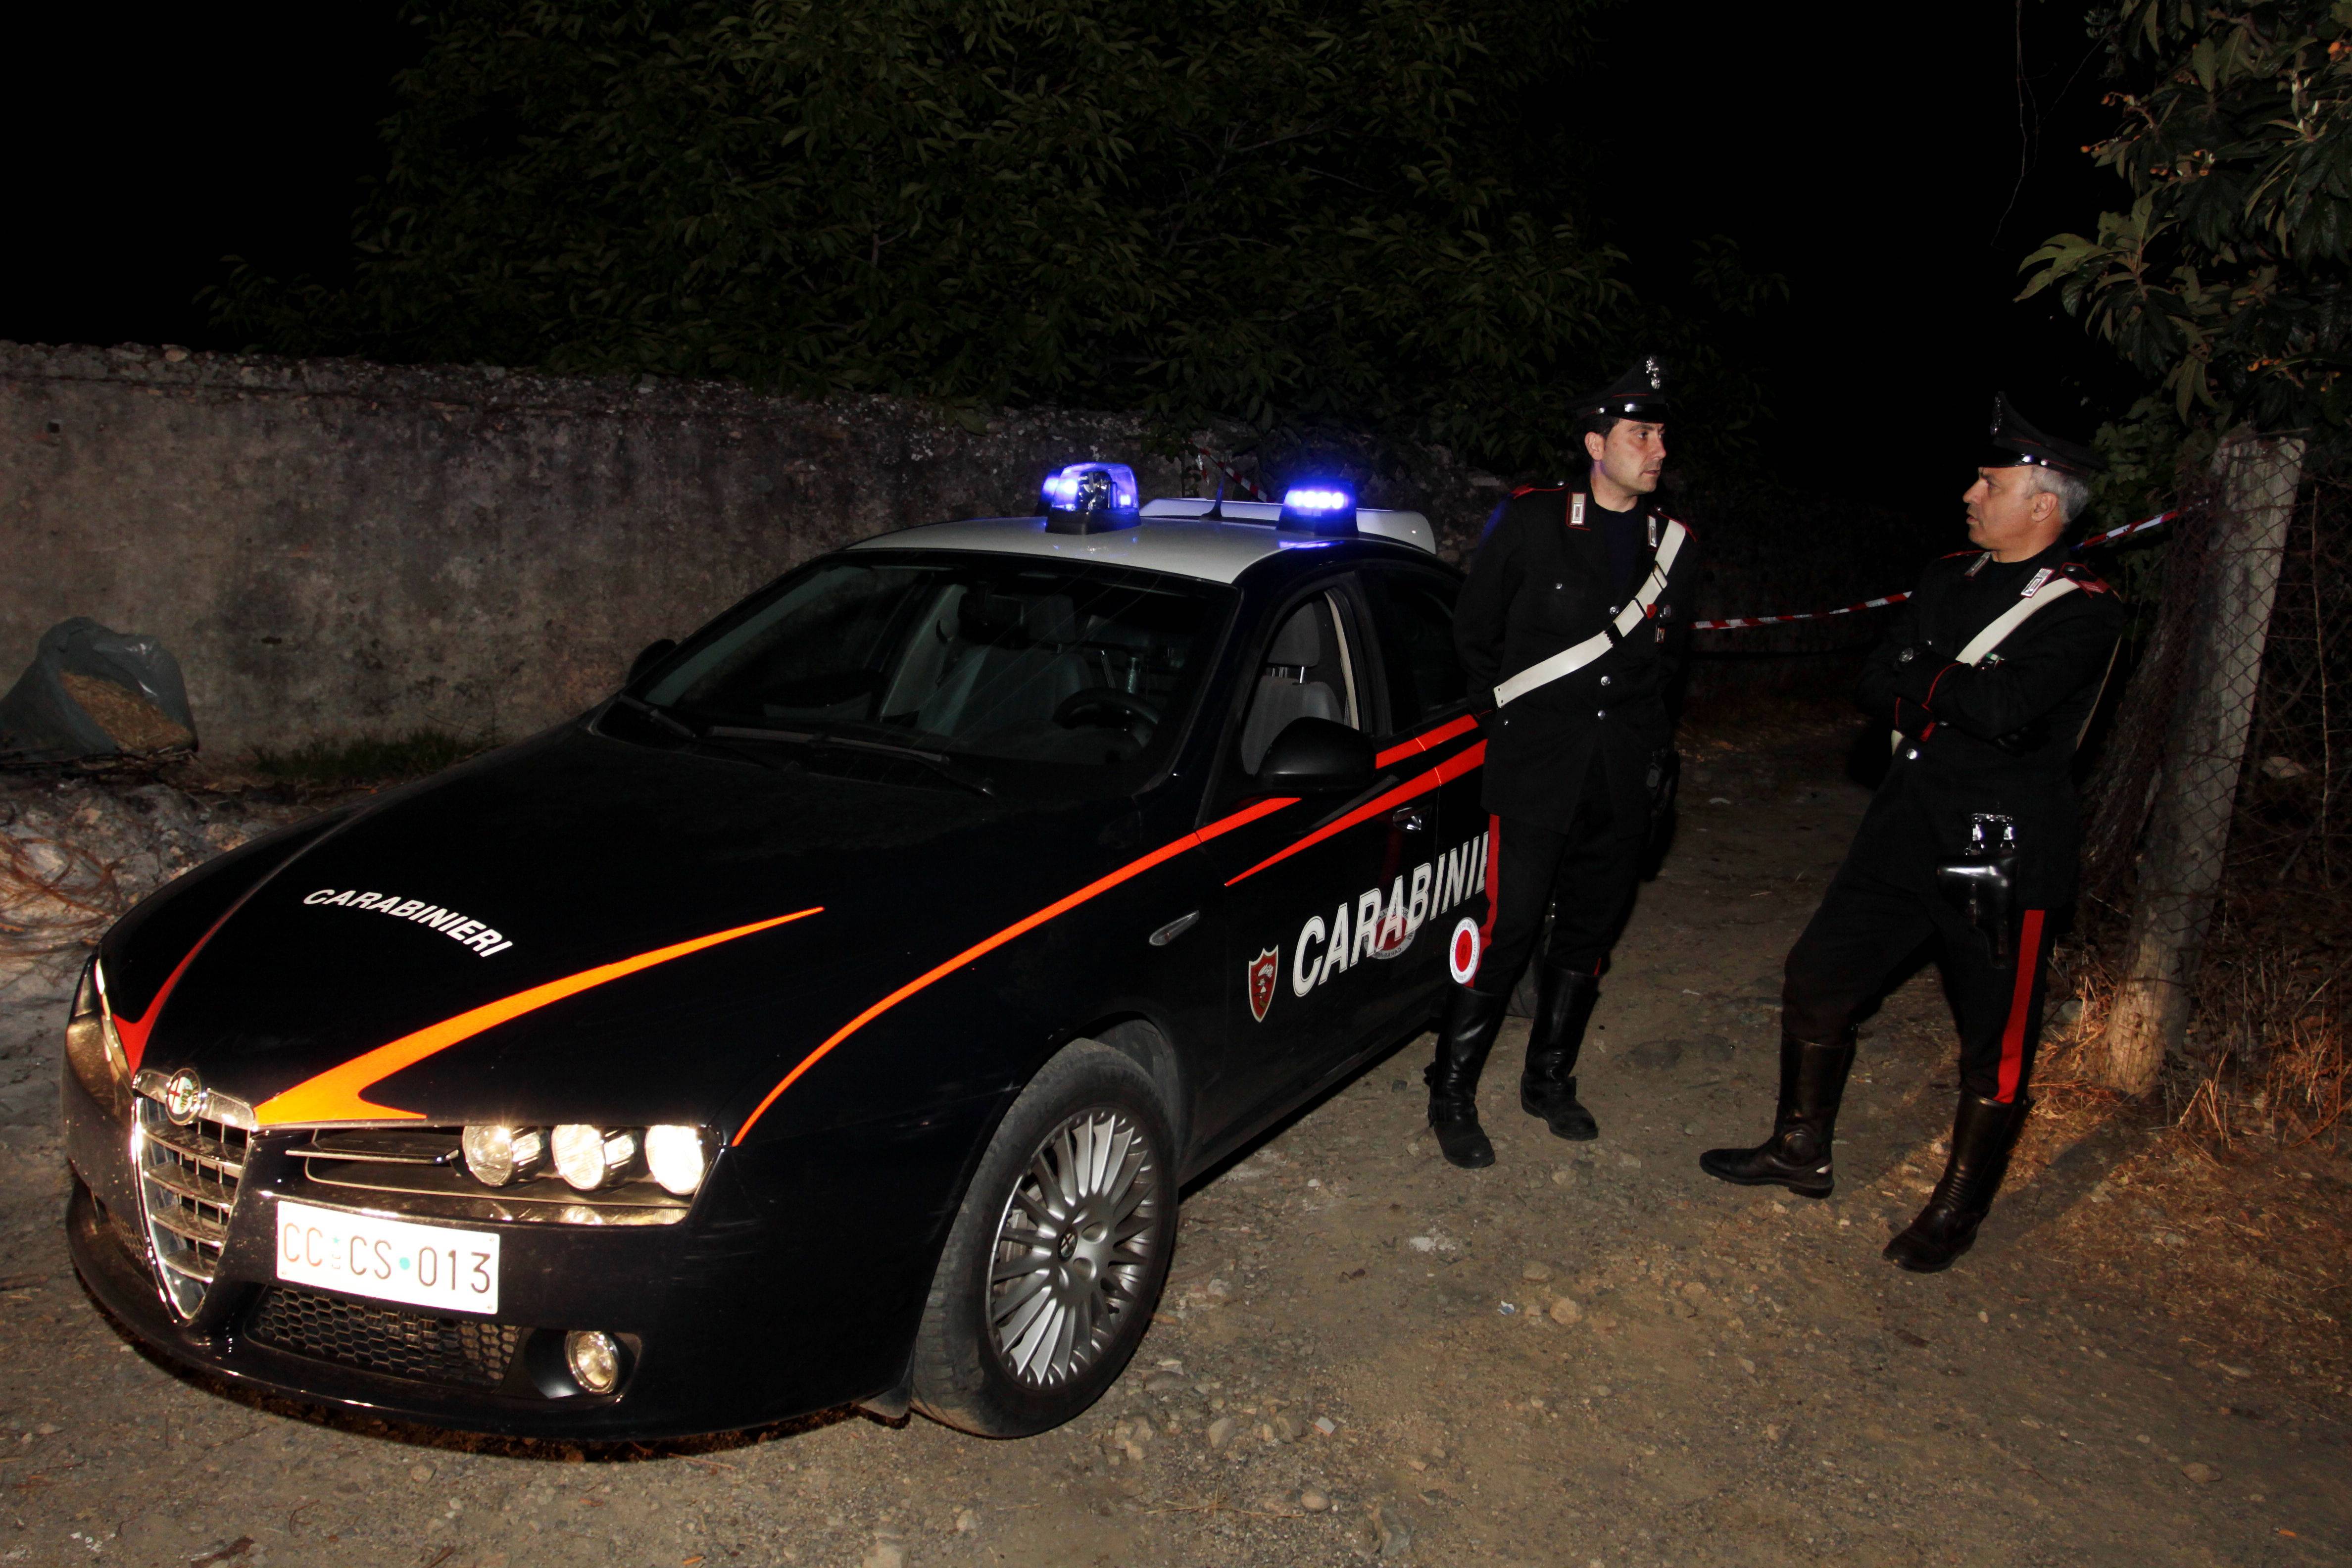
(1589, 1355)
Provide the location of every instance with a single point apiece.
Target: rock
(1567, 1313)
(2202, 1474)
(1164, 1382)
(965, 1521)
(1537, 1271)
(1314, 1498)
(420, 1472)
(1221, 1431)
(1395, 1539)
(1628, 1162)
(1694, 1291)
(1325, 1425)
(883, 1554)
(1285, 1429)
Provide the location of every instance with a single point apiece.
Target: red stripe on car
(1061, 905)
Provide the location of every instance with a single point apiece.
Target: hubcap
(1073, 1247)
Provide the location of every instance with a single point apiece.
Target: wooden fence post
(2189, 830)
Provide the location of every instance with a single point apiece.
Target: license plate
(390, 1260)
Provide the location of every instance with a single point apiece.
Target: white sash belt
(1568, 660)
(1998, 628)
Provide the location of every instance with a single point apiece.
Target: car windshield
(984, 657)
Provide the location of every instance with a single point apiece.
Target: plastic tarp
(92, 692)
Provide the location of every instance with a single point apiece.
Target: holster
(1982, 884)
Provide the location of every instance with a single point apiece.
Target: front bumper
(795, 1284)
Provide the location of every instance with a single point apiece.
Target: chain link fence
(2218, 850)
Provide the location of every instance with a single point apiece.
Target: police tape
(1741, 622)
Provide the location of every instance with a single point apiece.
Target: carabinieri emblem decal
(1263, 970)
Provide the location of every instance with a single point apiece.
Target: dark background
(1895, 170)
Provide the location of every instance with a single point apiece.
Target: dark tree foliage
(1282, 211)
(2226, 280)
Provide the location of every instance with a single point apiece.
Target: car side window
(1307, 671)
(1414, 612)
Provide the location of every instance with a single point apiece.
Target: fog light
(594, 1361)
(674, 1156)
(499, 1156)
(592, 1157)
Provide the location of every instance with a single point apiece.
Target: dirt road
(1589, 1355)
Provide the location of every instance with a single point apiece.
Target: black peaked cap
(2016, 443)
(1639, 394)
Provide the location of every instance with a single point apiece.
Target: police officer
(1987, 679)
(1570, 623)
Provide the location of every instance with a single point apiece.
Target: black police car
(831, 1016)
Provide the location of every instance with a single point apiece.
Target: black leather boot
(1548, 1083)
(1797, 1155)
(1983, 1133)
(1464, 1038)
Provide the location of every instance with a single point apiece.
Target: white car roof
(1172, 537)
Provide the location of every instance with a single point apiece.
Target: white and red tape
(1741, 622)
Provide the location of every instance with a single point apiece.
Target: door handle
(1174, 929)
(1409, 819)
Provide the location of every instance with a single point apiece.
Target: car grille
(419, 1345)
(188, 1179)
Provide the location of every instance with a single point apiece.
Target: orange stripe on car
(1452, 768)
(1061, 905)
(339, 1094)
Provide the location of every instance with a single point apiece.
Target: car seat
(1283, 691)
(1018, 659)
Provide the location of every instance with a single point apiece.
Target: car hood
(579, 929)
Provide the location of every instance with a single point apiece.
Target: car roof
(1172, 536)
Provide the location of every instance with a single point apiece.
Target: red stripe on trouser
(2020, 1003)
(1494, 881)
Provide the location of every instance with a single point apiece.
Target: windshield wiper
(679, 727)
(939, 763)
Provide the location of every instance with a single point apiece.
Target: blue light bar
(1089, 497)
(1322, 509)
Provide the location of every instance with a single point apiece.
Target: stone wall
(336, 549)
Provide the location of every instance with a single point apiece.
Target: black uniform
(1987, 680)
(1569, 764)
(1567, 761)
(1996, 740)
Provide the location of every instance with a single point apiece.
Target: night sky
(1872, 159)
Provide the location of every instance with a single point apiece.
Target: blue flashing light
(1089, 497)
(1305, 499)
(1323, 509)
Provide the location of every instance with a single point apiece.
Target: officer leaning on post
(1569, 620)
(1989, 678)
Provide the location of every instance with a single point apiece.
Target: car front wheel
(1058, 1254)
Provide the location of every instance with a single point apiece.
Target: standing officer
(1569, 620)
(1989, 678)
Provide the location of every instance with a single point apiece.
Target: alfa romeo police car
(831, 1016)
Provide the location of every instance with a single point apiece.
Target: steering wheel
(1134, 710)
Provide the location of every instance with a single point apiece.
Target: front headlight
(497, 1156)
(592, 1157)
(677, 1158)
(93, 1048)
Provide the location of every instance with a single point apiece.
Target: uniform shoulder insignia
(1956, 554)
(1685, 527)
(1535, 490)
(2083, 577)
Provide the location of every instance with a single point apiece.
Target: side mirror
(1318, 756)
(655, 653)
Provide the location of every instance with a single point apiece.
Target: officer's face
(2010, 515)
(1633, 454)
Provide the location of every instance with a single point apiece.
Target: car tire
(1058, 1254)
